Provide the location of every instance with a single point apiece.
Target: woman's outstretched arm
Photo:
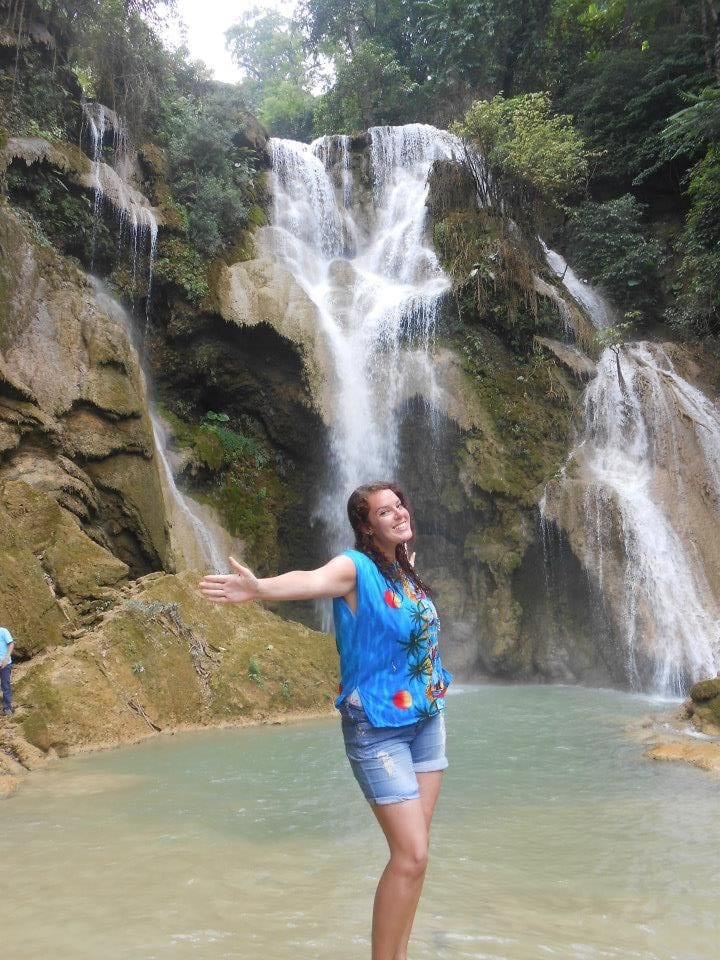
(336, 579)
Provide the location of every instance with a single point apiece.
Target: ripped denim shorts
(385, 760)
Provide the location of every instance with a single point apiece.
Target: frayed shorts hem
(386, 760)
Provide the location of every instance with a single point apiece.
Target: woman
(392, 689)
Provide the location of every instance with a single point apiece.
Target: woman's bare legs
(407, 830)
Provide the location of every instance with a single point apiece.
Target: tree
(611, 248)
(370, 88)
(523, 139)
(483, 44)
(271, 49)
(612, 338)
(694, 132)
(268, 47)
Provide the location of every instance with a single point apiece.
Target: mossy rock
(77, 567)
(705, 690)
(165, 658)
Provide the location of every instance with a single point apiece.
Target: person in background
(392, 687)
(6, 648)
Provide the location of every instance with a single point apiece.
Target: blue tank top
(389, 648)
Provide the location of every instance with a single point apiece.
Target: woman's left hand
(236, 587)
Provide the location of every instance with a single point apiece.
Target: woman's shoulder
(357, 556)
(363, 563)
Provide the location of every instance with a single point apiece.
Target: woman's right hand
(235, 587)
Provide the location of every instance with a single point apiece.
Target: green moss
(705, 690)
(240, 481)
(714, 707)
(180, 265)
(44, 703)
(528, 400)
(257, 216)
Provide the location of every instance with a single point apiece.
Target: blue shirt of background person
(6, 648)
(389, 648)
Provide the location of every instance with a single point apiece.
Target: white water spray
(367, 266)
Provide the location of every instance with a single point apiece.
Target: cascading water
(636, 500)
(112, 185)
(364, 261)
(195, 536)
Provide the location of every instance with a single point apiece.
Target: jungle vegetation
(605, 113)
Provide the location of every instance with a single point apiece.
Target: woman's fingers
(239, 568)
(235, 587)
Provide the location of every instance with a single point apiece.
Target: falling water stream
(196, 539)
(112, 185)
(361, 254)
(637, 496)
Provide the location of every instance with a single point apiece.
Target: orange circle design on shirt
(392, 599)
(402, 699)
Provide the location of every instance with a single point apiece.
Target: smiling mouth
(401, 526)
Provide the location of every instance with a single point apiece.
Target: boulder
(164, 658)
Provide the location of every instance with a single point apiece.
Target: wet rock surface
(79, 492)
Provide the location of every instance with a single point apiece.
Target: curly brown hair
(358, 509)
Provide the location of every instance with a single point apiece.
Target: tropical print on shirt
(388, 649)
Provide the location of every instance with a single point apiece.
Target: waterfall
(195, 535)
(112, 184)
(638, 500)
(361, 255)
(196, 538)
(598, 309)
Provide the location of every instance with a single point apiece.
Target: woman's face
(389, 521)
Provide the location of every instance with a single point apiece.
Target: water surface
(553, 838)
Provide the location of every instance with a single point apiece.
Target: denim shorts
(386, 759)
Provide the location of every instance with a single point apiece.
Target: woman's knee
(410, 860)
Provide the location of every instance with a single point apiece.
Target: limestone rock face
(261, 291)
(163, 657)
(81, 172)
(80, 494)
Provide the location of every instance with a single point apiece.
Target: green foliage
(287, 110)
(210, 177)
(688, 131)
(268, 46)
(236, 473)
(370, 88)
(613, 336)
(65, 216)
(611, 248)
(523, 139)
(481, 44)
(271, 50)
(254, 672)
(698, 308)
(695, 132)
(622, 99)
(218, 445)
(180, 264)
(34, 100)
